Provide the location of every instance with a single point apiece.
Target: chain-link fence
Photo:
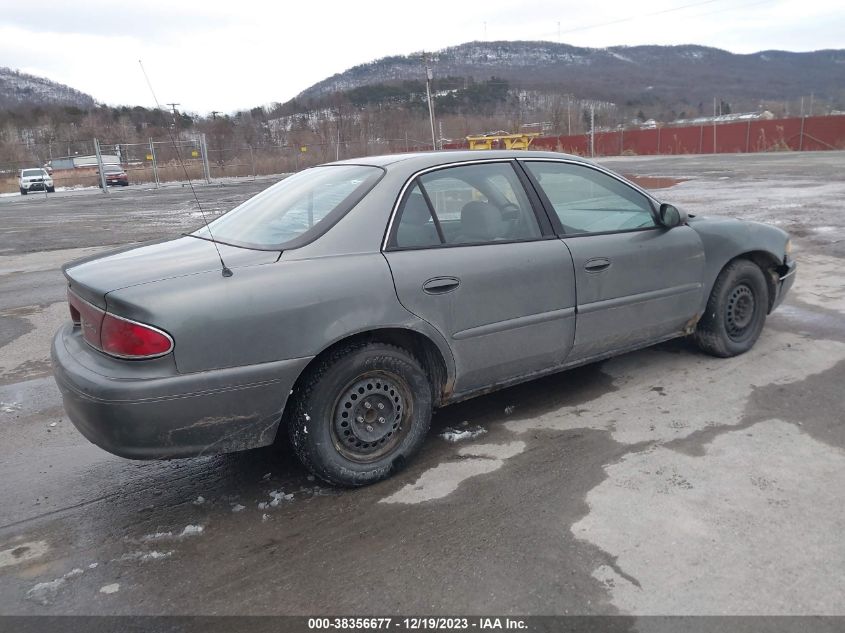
(157, 162)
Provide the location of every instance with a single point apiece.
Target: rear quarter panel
(284, 310)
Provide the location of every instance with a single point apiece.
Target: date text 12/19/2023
(417, 623)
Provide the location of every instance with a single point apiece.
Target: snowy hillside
(17, 89)
(691, 73)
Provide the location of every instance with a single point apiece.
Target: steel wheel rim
(740, 312)
(358, 432)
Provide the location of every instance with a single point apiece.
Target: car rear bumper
(785, 281)
(182, 415)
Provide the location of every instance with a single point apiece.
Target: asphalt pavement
(660, 482)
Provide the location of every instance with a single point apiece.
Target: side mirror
(670, 216)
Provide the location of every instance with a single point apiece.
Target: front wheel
(23, 191)
(51, 190)
(360, 414)
(736, 311)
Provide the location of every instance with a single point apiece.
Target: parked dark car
(115, 175)
(358, 296)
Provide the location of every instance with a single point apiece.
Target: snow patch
(45, 592)
(109, 589)
(278, 497)
(191, 530)
(462, 433)
(146, 557)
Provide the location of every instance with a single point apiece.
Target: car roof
(421, 160)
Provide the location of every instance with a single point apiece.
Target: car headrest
(416, 210)
(481, 221)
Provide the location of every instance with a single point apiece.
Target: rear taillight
(88, 317)
(128, 339)
(115, 335)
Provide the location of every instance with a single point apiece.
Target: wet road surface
(663, 481)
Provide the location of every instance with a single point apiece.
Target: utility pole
(102, 172)
(558, 31)
(214, 113)
(155, 166)
(173, 108)
(204, 156)
(428, 77)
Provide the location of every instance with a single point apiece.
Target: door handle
(441, 285)
(596, 264)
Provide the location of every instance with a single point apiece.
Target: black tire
(360, 414)
(24, 192)
(736, 311)
(51, 190)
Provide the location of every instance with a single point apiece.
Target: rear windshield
(295, 209)
(113, 169)
(28, 173)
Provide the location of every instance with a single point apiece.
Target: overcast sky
(238, 54)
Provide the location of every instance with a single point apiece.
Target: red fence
(799, 134)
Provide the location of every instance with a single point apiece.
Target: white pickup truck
(36, 179)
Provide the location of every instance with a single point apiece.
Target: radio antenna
(227, 272)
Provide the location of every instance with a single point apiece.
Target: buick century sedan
(340, 306)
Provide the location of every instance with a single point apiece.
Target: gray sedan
(340, 306)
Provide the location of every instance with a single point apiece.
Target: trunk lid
(94, 277)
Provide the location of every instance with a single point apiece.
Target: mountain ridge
(22, 89)
(685, 73)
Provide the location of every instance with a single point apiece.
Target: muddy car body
(365, 293)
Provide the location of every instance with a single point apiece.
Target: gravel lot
(659, 482)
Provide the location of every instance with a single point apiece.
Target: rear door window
(468, 204)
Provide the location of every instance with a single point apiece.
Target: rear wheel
(736, 310)
(360, 414)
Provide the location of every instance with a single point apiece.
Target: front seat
(481, 222)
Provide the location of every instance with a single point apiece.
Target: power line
(742, 6)
(635, 17)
